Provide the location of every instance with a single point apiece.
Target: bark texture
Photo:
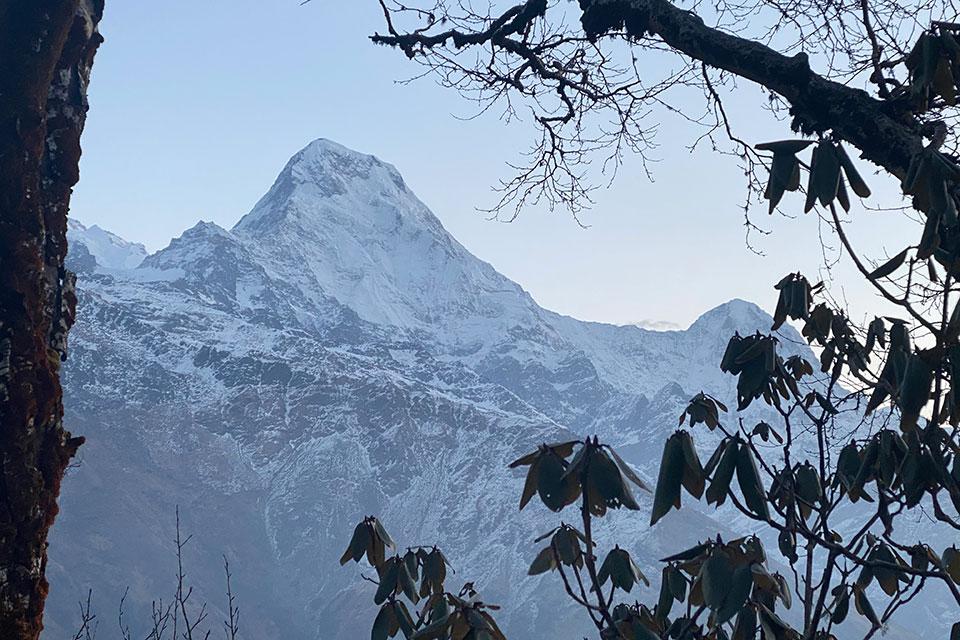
(46, 52)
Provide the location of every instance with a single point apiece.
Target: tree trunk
(46, 52)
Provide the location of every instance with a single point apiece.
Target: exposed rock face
(339, 354)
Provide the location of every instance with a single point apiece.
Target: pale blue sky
(196, 106)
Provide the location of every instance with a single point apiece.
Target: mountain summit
(325, 170)
(346, 223)
(100, 249)
(338, 354)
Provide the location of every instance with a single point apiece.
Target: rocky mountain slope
(338, 354)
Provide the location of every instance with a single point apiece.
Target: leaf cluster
(830, 170)
(595, 472)
(442, 615)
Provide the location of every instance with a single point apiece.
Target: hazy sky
(196, 106)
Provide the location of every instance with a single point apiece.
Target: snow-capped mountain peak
(338, 354)
(731, 316)
(344, 224)
(327, 171)
(201, 242)
(96, 248)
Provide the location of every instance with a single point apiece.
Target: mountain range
(337, 354)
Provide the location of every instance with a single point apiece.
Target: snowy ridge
(107, 250)
(346, 223)
(338, 354)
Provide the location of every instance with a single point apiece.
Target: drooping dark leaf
(525, 460)
(920, 557)
(808, 489)
(930, 239)
(720, 485)
(765, 582)
(382, 623)
(530, 484)
(943, 82)
(784, 146)
(433, 574)
(746, 626)
(913, 476)
(406, 582)
(388, 580)
(677, 583)
(383, 535)
(643, 632)
(914, 389)
(798, 366)
(740, 585)
(950, 46)
(773, 626)
(412, 562)
(546, 535)
(552, 484)
(440, 609)
(567, 546)
(876, 334)
(825, 174)
(665, 600)
(714, 458)
(705, 409)
(605, 477)
(889, 266)
(879, 395)
(812, 190)
(545, 561)
(376, 551)
(864, 607)
(628, 471)
(887, 578)
(358, 544)
(693, 552)
(941, 202)
(866, 469)
(842, 196)
(621, 570)
(563, 449)
(695, 598)
(693, 476)
(716, 576)
(751, 485)
(856, 181)
(951, 562)
(784, 176)
(575, 468)
(783, 591)
(840, 607)
(404, 621)
(667, 494)
(435, 630)
(916, 172)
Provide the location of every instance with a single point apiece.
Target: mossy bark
(46, 52)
